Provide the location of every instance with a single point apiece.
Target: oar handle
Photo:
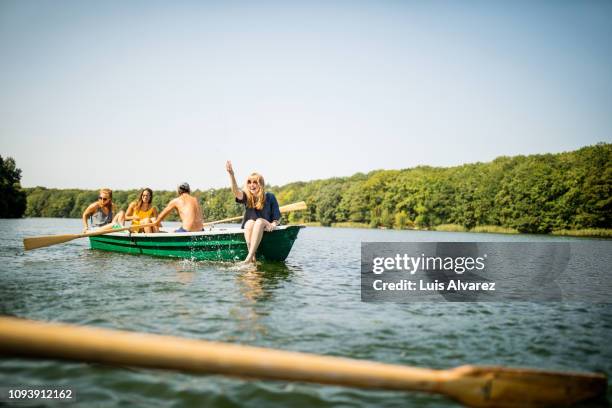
(222, 221)
(30, 338)
(110, 230)
(301, 205)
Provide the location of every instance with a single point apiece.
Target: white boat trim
(169, 232)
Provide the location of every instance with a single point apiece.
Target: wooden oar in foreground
(301, 205)
(471, 385)
(48, 240)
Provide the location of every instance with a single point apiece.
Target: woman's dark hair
(139, 201)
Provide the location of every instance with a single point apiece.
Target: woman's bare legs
(149, 221)
(259, 227)
(248, 230)
(119, 218)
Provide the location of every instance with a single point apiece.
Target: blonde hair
(259, 200)
(110, 205)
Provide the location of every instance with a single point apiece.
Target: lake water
(310, 303)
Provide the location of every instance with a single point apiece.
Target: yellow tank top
(142, 214)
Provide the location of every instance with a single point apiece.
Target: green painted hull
(216, 245)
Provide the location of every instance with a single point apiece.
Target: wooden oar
(48, 240)
(301, 205)
(477, 386)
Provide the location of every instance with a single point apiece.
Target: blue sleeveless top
(99, 219)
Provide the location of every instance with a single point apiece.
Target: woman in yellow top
(142, 211)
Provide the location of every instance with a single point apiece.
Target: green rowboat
(217, 244)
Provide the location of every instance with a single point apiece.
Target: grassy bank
(350, 225)
(591, 232)
(494, 229)
(450, 228)
(490, 229)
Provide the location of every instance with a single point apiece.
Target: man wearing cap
(188, 208)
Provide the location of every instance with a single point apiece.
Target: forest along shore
(563, 194)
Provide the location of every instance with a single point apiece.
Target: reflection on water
(185, 271)
(185, 277)
(250, 284)
(257, 282)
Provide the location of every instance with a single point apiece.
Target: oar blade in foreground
(495, 386)
(47, 240)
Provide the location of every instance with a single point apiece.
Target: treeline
(70, 203)
(536, 194)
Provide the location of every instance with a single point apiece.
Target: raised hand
(229, 168)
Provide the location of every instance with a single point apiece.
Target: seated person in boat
(142, 211)
(103, 213)
(188, 209)
(261, 209)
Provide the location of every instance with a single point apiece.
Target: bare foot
(247, 266)
(249, 259)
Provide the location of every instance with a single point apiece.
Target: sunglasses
(252, 182)
(103, 198)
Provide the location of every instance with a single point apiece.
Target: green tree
(401, 220)
(12, 197)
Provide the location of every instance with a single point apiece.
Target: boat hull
(215, 245)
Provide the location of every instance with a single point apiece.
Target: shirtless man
(188, 208)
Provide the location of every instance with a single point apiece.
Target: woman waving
(261, 209)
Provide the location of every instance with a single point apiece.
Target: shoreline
(605, 233)
(601, 233)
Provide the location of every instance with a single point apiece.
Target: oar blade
(294, 207)
(47, 240)
(484, 386)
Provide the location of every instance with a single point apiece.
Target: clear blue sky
(128, 94)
